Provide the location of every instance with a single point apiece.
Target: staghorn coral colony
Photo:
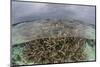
(52, 41)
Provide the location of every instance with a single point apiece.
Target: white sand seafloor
(25, 32)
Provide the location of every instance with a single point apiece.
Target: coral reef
(54, 50)
(52, 41)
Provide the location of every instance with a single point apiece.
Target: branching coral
(49, 41)
(54, 50)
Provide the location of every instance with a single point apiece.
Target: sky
(28, 11)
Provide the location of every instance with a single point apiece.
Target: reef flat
(51, 50)
(52, 41)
